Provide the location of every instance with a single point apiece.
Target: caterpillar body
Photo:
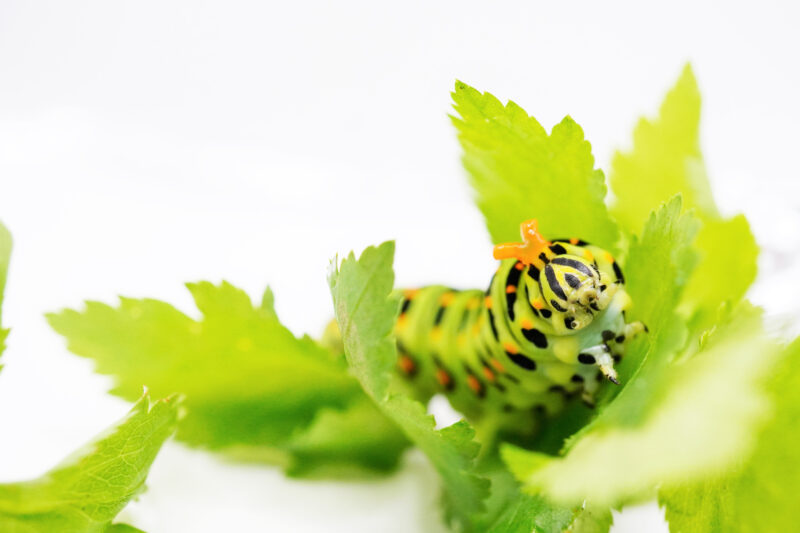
(551, 325)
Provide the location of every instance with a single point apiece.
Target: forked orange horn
(526, 251)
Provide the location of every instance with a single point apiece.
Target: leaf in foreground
(87, 491)
(252, 388)
(702, 420)
(520, 172)
(366, 316)
(760, 493)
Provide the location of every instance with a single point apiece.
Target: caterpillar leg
(630, 331)
(600, 355)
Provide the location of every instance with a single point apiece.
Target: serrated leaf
(701, 419)
(520, 172)
(510, 510)
(666, 160)
(252, 388)
(87, 491)
(760, 492)
(366, 315)
(658, 266)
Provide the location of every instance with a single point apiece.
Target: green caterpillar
(550, 325)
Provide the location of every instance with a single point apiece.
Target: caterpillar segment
(550, 326)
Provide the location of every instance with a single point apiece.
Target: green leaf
(5, 257)
(658, 266)
(510, 510)
(89, 489)
(701, 419)
(122, 528)
(344, 443)
(366, 315)
(665, 161)
(760, 493)
(726, 270)
(252, 388)
(520, 172)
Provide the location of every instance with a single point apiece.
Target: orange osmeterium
(526, 251)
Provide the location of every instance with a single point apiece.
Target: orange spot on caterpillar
(473, 383)
(410, 294)
(608, 257)
(574, 241)
(519, 265)
(443, 378)
(526, 323)
(537, 304)
(497, 365)
(489, 374)
(510, 348)
(488, 301)
(406, 364)
(447, 299)
(511, 289)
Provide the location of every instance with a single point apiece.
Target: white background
(145, 144)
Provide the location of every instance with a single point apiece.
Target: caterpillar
(550, 326)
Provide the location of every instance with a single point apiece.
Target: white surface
(144, 144)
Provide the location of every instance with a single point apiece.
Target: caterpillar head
(569, 284)
(575, 287)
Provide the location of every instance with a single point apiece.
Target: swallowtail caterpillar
(551, 325)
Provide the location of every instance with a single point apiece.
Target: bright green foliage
(520, 172)
(122, 528)
(760, 493)
(659, 263)
(666, 160)
(509, 510)
(250, 385)
(701, 418)
(366, 316)
(727, 268)
(5, 257)
(339, 443)
(87, 491)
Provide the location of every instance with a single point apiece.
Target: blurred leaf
(5, 257)
(344, 443)
(727, 268)
(251, 387)
(519, 172)
(665, 161)
(701, 419)
(366, 315)
(760, 493)
(122, 528)
(89, 489)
